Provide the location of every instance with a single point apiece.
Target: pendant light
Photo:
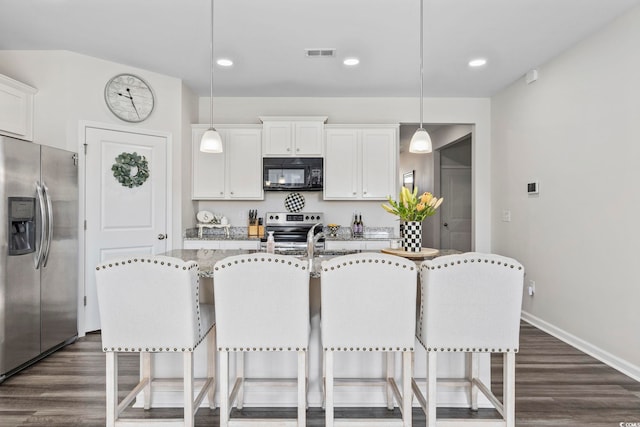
(211, 141)
(421, 141)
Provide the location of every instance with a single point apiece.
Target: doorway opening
(446, 172)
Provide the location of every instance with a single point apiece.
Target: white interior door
(121, 221)
(455, 212)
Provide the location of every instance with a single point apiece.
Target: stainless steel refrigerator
(38, 252)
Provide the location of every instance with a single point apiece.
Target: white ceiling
(266, 39)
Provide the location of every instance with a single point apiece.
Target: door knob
(446, 225)
(162, 236)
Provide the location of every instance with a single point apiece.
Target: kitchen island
(283, 364)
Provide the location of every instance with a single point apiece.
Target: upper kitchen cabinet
(16, 108)
(292, 136)
(360, 162)
(234, 174)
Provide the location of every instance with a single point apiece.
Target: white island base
(284, 365)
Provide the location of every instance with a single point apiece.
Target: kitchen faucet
(313, 239)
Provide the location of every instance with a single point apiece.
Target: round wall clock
(129, 97)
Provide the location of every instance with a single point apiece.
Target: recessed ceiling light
(479, 62)
(224, 62)
(351, 61)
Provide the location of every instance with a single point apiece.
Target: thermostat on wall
(533, 187)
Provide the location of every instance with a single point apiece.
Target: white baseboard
(605, 357)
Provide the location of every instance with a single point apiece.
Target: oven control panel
(291, 218)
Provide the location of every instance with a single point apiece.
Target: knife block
(256, 231)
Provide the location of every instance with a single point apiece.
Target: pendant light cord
(421, 61)
(211, 73)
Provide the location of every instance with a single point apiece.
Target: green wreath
(122, 169)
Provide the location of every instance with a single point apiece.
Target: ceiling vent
(320, 53)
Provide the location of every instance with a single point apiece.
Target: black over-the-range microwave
(292, 173)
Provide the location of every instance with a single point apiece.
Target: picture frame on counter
(408, 179)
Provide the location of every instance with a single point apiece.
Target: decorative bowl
(333, 229)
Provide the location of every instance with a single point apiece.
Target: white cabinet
(200, 244)
(336, 245)
(362, 245)
(240, 244)
(292, 136)
(234, 174)
(360, 162)
(221, 244)
(376, 245)
(16, 108)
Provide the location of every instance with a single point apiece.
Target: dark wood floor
(556, 385)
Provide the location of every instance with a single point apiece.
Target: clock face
(129, 97)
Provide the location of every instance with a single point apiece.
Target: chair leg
(390, 362)
(432, 358)
(211, 367)
(145, 372)
(324, 378)
(306, 378)
(240, 376)
(509, 388)
(189, 413)
(473, 373)
(112, 388)
(224, 387)
(407, 394)
(328, 389)
(302, 388)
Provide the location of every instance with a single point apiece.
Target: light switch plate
(506, 216)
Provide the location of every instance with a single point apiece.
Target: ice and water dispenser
(22, 225)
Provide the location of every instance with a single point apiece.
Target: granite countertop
(370, 233)
(206, 258)
(241, 233)
(235, 233)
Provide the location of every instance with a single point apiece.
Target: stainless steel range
(290, 228)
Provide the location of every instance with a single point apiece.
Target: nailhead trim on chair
(159, 348)
(262, 349)
(261, 259)
(469, 349)
(368, 349)
(472, 260)
(382, 261)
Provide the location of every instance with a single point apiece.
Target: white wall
(71, 89)
(576, 131)
(189, 114)
(360, 111)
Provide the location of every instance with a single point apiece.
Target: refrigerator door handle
(43, 228)
(49, 225)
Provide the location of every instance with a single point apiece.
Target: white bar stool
(369, 304)
(262, 304)
(470, 303)
(151, 304)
